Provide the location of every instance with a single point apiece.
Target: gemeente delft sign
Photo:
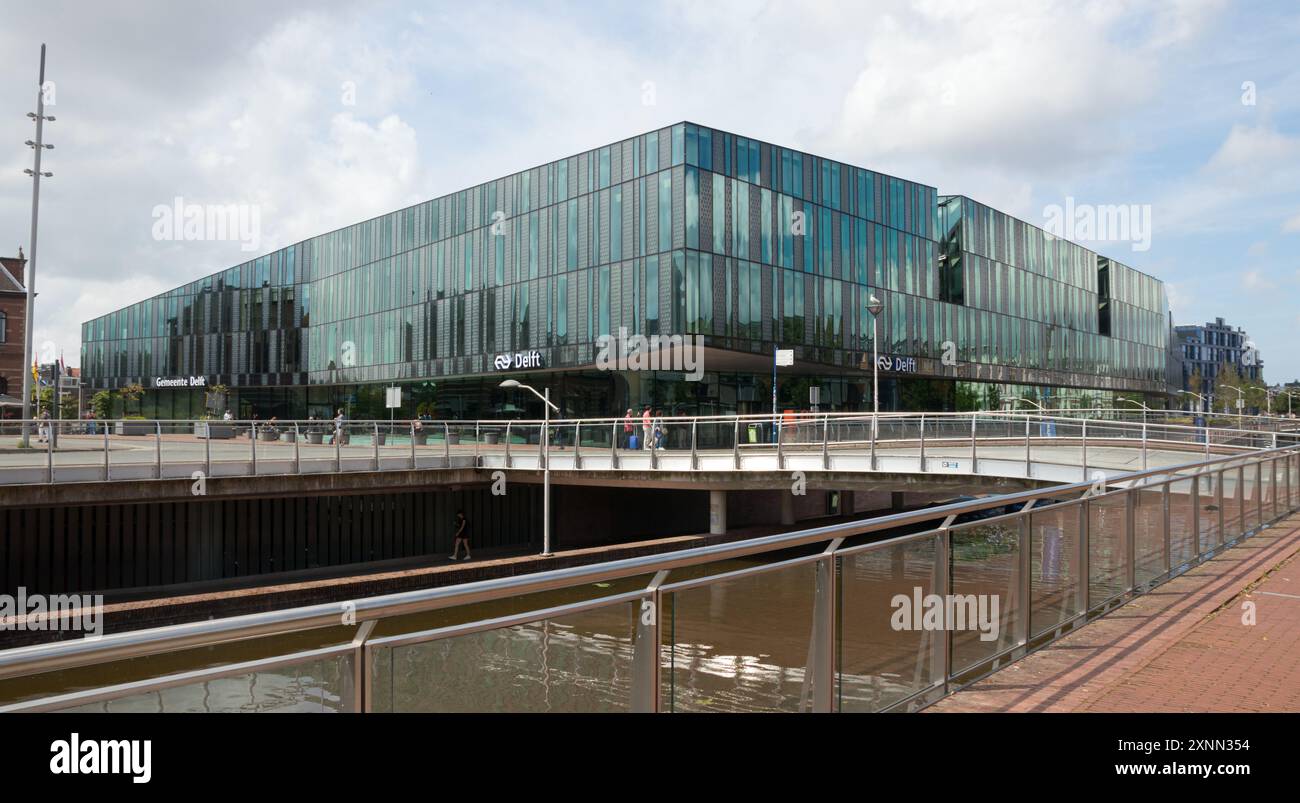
(180, 381)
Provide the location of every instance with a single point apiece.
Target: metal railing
(802, 621)
(103, 451)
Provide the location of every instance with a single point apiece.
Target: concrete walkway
(1187, 646)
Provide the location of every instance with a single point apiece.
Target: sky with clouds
(324, 114)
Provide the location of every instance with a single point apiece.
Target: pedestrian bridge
(801, 621)
(1050, 448)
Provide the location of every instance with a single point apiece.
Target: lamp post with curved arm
(547, 407)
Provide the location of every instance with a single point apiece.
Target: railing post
(974, 467)
(735, 443)
(476, 441)
(252, 439)
(446, 442)
(1144, 446)
(1028, 470)
(297, 449)
(873, 451)
(361, 700)
(943, 640)
(507, 438)
(1196, 515)
(1130, 548)
(645, 650)
(157, 452)
(1085, 450)
(49, 449)
(695, 462)
(826, 439)
(338, 450)
(780, 456)
(1169, 566)
(108, 424)
(613, 445)
(1084, 546)
(1026, 589)
(374, 444)
(577, 445)
(413, 461)
(922, 442)
(1259, 492)
(1218, 489)
(207, 449)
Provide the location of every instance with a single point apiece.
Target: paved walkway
(1184, 647)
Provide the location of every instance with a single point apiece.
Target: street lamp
(547, 407)
(1198, 396)
(1241, 400)
(875, 306)
(1145, 409)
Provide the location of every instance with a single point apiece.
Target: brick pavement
(1182, 647)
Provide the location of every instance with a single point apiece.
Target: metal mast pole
(30, 322)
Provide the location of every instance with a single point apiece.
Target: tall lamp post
(39, 145)
(1241, 402)
(1198, 396)
(875, 306)
(1145, 409)
(547, 407)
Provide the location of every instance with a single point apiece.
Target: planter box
(382, 438)
(134, 428)
(267, 435)
(453, 438)
(315, 437)
(288, 437)
(421, 438)
(492, 438)
(214, 431)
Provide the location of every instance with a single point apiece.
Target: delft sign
(903, 365)
(521, 359)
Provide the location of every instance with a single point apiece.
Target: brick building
(13, 319)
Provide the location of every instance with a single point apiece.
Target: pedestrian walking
(627, 429)
(647, 428)
(461, 537)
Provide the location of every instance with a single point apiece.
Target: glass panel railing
(1149, 533)
(985, 565)
(577, 662)
(317, 686)
(886, 652)
(739, 644)
(1232, 487)
(1250, 497)
(1054, 566)
(1208, 514)
(1108, 547)
(1182, 538)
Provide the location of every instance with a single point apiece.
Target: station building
(717, 247)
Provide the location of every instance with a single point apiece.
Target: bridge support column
(717, 512)
(787, 507)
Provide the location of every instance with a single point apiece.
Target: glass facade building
(736, 245)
